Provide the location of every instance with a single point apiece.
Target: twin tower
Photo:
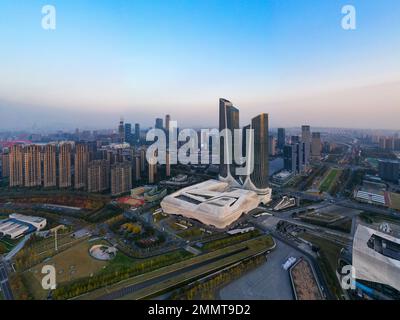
(254, 149)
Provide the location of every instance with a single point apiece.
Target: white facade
(17, 225)
(376, 257)
(211, 202)
(37, 222)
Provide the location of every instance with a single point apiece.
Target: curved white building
(211, 202)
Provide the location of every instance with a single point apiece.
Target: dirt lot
(72, 264)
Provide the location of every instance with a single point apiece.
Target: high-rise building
(281, 138)
(128, 133)
(121, 131)
(121, 178)
(316, 146)
(167, 121)
(290, 157)
(152, 173)
(81, 166)
(306, 139)
(64, 165)
(228, 119)
(137, 168)
(137, 132)
(159, 123)
(293, 155)
(98, 175)
(272, 146)
(142, 159)
(49, 166)
(260, 174)
(168, 164)
(32, 166)
(389, 170)
(16, 159)
(306, 133)
(5, 164)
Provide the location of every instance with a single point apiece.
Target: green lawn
(230, 240)
(190, 233)
(327, 183)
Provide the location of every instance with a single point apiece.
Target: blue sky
(144, 58)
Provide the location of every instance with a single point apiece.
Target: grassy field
(229, 240)
(329, 180)
(191, 233)
(253, 246)
(37, 250)
(74, 263)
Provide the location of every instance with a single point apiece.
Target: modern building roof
(212, 202)
(376, 256)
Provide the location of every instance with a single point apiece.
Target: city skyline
(288, 59)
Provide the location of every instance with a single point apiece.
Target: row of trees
(114, 275)
(206, 290)
(230, 240)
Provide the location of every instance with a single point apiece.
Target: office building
(142, 159)
(137, 171)
(49, 166)
(137, 132)
(272, 146)
(258, 179)
(167, 122)
(293, 156)
(121, 131)
(128, 133)
(64, 165)
(289, 157)
(306, 140)
(159, 123)
(229, 121)
(168, 164)
(316, 146)
(152, 168)
(281, 138)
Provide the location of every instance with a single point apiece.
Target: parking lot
(268, 282)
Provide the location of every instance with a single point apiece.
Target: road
(314, 264)
(5, 285)
(132, 288)
(267, 282)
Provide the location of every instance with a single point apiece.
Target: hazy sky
(141, 59)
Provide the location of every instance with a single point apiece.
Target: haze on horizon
(143, 59)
